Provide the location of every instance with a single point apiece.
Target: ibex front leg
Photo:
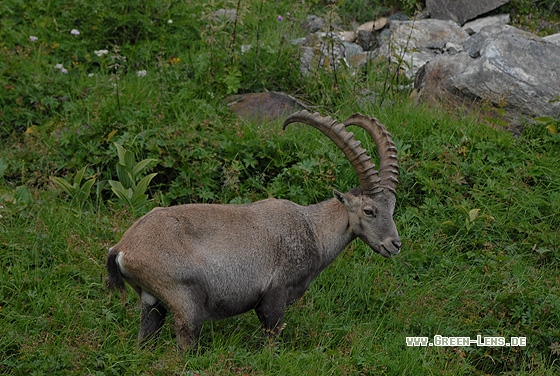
(186, 307)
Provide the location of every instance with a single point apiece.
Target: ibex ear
(341, 197)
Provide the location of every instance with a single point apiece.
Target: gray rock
(461, 11)
(452, 48)
(348, 36)
(366, 39)
(554, 38)
(322, 50)
(352, 49)
(263, 107)
(422, 15)
(398, 17)
(512, 71)
(313, 23)
(475, 26)
(411, 44)
(373, 25)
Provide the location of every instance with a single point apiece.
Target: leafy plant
(131, 187)
(551, 124)
(472, 217)
(75, 189)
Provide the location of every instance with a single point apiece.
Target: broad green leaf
(122, 193)
(125, 157)
(86, 188)
(137, 198)
(545, 120)
(129, 160)
(125, 175)
(116, 185)
(121, 152)
(143, 184)
(140, 166)
(64, 185)
(79, 176)
(138, 201)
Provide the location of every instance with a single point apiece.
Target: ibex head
(370, 207)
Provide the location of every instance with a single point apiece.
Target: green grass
(478, 210)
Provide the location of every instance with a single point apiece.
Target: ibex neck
(329, 220)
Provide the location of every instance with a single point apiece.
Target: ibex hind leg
(270, 312)
(189, 316)
(152, 318)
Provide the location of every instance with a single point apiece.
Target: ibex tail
(115, 280)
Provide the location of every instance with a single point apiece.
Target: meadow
(108, 109)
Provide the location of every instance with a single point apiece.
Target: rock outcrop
(512, 73)
(511, 70)
(411, 44)
(461, 11)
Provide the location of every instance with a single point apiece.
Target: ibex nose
(397, 244)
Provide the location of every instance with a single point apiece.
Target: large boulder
(411, 44)
(512, 71)
(475, 26)
(461, 11)
(325, 50)
(554, 38)
(263, 107)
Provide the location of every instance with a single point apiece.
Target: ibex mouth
(389, 252)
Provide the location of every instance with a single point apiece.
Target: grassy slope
(495, 274)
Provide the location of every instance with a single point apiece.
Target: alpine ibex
(210, 261)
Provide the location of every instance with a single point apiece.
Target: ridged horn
(388, 160)
(352, 149)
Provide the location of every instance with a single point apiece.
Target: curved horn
(388, 161)
(352, 149)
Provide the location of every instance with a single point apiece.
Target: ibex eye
(369, 212)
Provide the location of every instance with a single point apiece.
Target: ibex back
(208, 262)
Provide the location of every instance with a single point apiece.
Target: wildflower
(174, 60)
(101, 53)
(61, 68)
(280, 18)
(33, 38)
(75, 32)
(91, 74)
(170, 21)
(141, 73)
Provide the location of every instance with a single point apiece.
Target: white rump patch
(148, 298)
(120, 263)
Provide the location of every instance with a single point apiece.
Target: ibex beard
(210, 262)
